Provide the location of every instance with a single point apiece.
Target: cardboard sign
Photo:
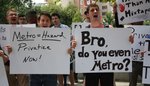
(40, 51)
(3, 77)
(79, 25)
(26, 25)
(102, 50)
(139, 33)
(146, 64)
(4, 34)
(130, 11)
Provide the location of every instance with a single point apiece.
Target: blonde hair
(10, 9)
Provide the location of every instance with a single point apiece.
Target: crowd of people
(44, 19)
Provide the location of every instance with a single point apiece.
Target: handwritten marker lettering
(19, 37)
(31, 59)
(2, 29)
(24, 47)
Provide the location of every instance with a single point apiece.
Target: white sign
(79, 25)
(3, 77)
(40, 51)
(102, 50)
(146, 64)
(130, 11)
(4, 34)
(26, 25)
(139, 33)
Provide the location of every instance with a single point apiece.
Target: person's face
(12, 17)
(22, 20)
(44, 21)
(94, 13)
(55, 20)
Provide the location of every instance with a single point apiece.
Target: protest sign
(130, 11)
(79, 25)
(26, 25)
(139, 33)
(3, 77)
(4, 34)
(40, 51)
(146, 64)
(102, 50)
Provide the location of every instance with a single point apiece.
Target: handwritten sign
(139, 33)
(26, 25)
(130, 11)
(4, 34)
(79, 25)
(146, 64)
(102, 50)
(40, 51)
(3, 77)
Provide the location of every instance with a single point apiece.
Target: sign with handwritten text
(40, 51)
(139, 33)
(146, 64)
(130, 11)
(4, 34)
(79, 25)
(102, 50)
(3, 77)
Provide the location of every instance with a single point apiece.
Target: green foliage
(77, 17)
(70, 11)
(68, 14)
(20, 5)
(109, 18)
(147, 22)
(51, 8)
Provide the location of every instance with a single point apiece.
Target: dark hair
(31, 13)
(91, 5)
(86, 12)
(45, 14)
(31, 16)
(56, 14)
(21, 15)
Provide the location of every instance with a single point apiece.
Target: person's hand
(74, 43)
(131, 39)
(5, 58)
(142, 53)
(9, 49)
(1, 53)
(70, 51)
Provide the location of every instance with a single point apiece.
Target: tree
(68, 14)
(70, 11)
(77, 17)
(108, 18)
(20, 5)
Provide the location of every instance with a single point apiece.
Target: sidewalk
(126, 84)
(80, 82)
(121, 81)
